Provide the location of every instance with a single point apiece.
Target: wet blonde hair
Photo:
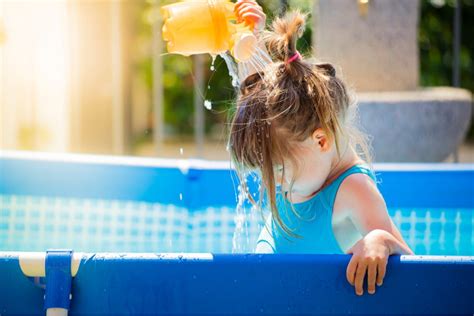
(282, 106)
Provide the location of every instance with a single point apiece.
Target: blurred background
(93, 76)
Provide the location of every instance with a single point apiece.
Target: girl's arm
(359, 198)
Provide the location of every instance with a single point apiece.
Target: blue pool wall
(207, 183)
(224, 284)
(111, 284)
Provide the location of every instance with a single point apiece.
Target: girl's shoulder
(359, 198)
(357, 186)
(355, 178)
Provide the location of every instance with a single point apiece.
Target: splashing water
(257, 63)
(208, 104)
(212, 63)
(248, 224)
(232, 67)
(240, 239)
(245, 219)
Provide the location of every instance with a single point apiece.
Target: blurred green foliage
(436, 56)
(435, 39)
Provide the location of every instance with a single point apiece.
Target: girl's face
(314, 158)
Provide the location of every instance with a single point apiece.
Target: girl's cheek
(278, 179)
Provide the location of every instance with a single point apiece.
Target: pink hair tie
(296, 56)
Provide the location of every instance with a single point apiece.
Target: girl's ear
(321, 139)
(249, 83)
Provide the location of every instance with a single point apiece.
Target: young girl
(292, 124)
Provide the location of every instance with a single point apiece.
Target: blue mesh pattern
(436, 231)
(29, 223)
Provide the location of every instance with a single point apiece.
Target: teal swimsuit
(313, 222)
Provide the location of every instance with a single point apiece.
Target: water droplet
(235, 83)
(181, 151)
(208, 87)
(208, 104)
(181, 196)
(212, 63)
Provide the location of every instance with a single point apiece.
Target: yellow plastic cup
(206, 26)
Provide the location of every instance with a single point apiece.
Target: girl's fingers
(359, 279)
(351, 270)
(254, 21)
(250, 13)
(252, 17)
(248, 7)
(239, 6)
(243, 2)
(371, 274)
(382, 268)
(261, 16)
(241, 12)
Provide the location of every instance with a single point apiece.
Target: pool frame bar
(205, 283)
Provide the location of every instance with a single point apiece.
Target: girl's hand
(369, 256)
(251, 13)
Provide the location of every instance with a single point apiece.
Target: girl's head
(291, 120)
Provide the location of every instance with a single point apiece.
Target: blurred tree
(436, 45)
